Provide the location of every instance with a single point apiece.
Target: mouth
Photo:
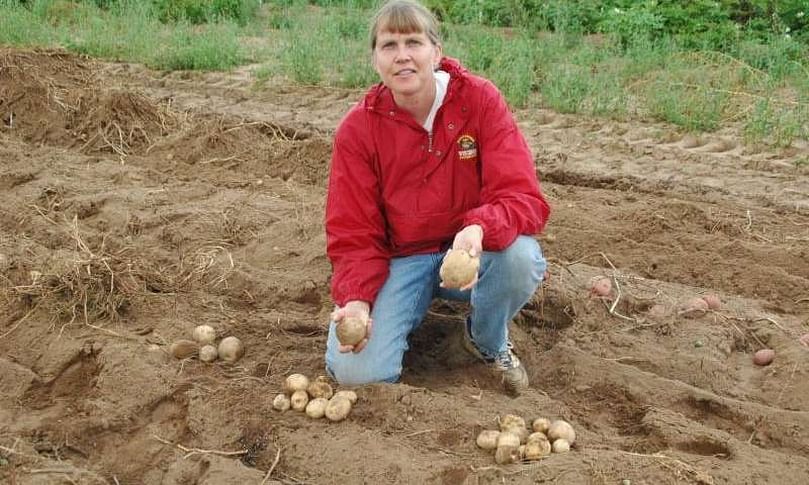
(404, 72)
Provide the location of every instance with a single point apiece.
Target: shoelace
(507, 360)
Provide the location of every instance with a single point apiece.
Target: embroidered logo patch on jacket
(467, 148)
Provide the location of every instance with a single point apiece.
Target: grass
(128, 31)
(756, 85)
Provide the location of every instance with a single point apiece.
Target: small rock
(698, 343)
(582, 388)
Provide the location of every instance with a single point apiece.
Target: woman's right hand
(357, 309)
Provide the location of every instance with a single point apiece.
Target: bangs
(403, 21)
(404, 17)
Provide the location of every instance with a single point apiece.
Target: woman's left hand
(469, 238)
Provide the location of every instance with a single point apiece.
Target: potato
(522, 432)
(713, 301)
(487, 439)
(541, 425)
(350, 395)
(351, 330)
(507, 454)
(281, 403)
(506, 438)
(458, 269)
(600, 286)
(536, 436)
(299, 400)
(511, 421)
(560, 429)
(208, 353)
(295, 382)
(183, 349)
(561, 446)
(320, 388)
(316, 408)
(204, 334)
(764, 357)
(804, 340)
(231, 349)
(536, 449)
(338, 409)
(695, 307)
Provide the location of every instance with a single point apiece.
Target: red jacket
(393, 191)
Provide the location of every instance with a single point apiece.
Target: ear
(439, 51)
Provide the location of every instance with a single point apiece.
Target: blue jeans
(507, 280)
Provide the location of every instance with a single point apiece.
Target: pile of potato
(230, 349)
(515, 442)
(316, 398)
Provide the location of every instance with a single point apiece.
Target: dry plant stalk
(82, 283)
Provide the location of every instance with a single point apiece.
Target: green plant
(22, 26)
(634, 25)
(201, 11)
(691, 106)
(216, 47)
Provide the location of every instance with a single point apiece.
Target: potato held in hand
(458, 269)
(351, 330)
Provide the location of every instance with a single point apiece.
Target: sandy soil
(139, 204)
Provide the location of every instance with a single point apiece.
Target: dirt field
(137, 205)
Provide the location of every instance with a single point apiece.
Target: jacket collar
(380, 98)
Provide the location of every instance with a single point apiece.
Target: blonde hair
(404, 17)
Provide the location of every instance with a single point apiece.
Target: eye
(388, 45)
(413, 43)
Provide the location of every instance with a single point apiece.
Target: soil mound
(137, 206)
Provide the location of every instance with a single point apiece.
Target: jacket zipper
(430, 142)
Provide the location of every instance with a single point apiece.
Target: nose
(402, 54)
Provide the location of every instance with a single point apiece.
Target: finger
(344, 349)
(338, 314)
(358, 348)
(370, 327)
(471, 284)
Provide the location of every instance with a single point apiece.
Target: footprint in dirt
(693, 141)
(721, 145)
(545, 118)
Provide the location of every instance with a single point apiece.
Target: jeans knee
(524, 262)
(353, 370)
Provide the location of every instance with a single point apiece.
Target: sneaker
(514, 376)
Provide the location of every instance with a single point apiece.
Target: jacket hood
(380, 97)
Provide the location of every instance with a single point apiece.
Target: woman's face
(406, 62)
